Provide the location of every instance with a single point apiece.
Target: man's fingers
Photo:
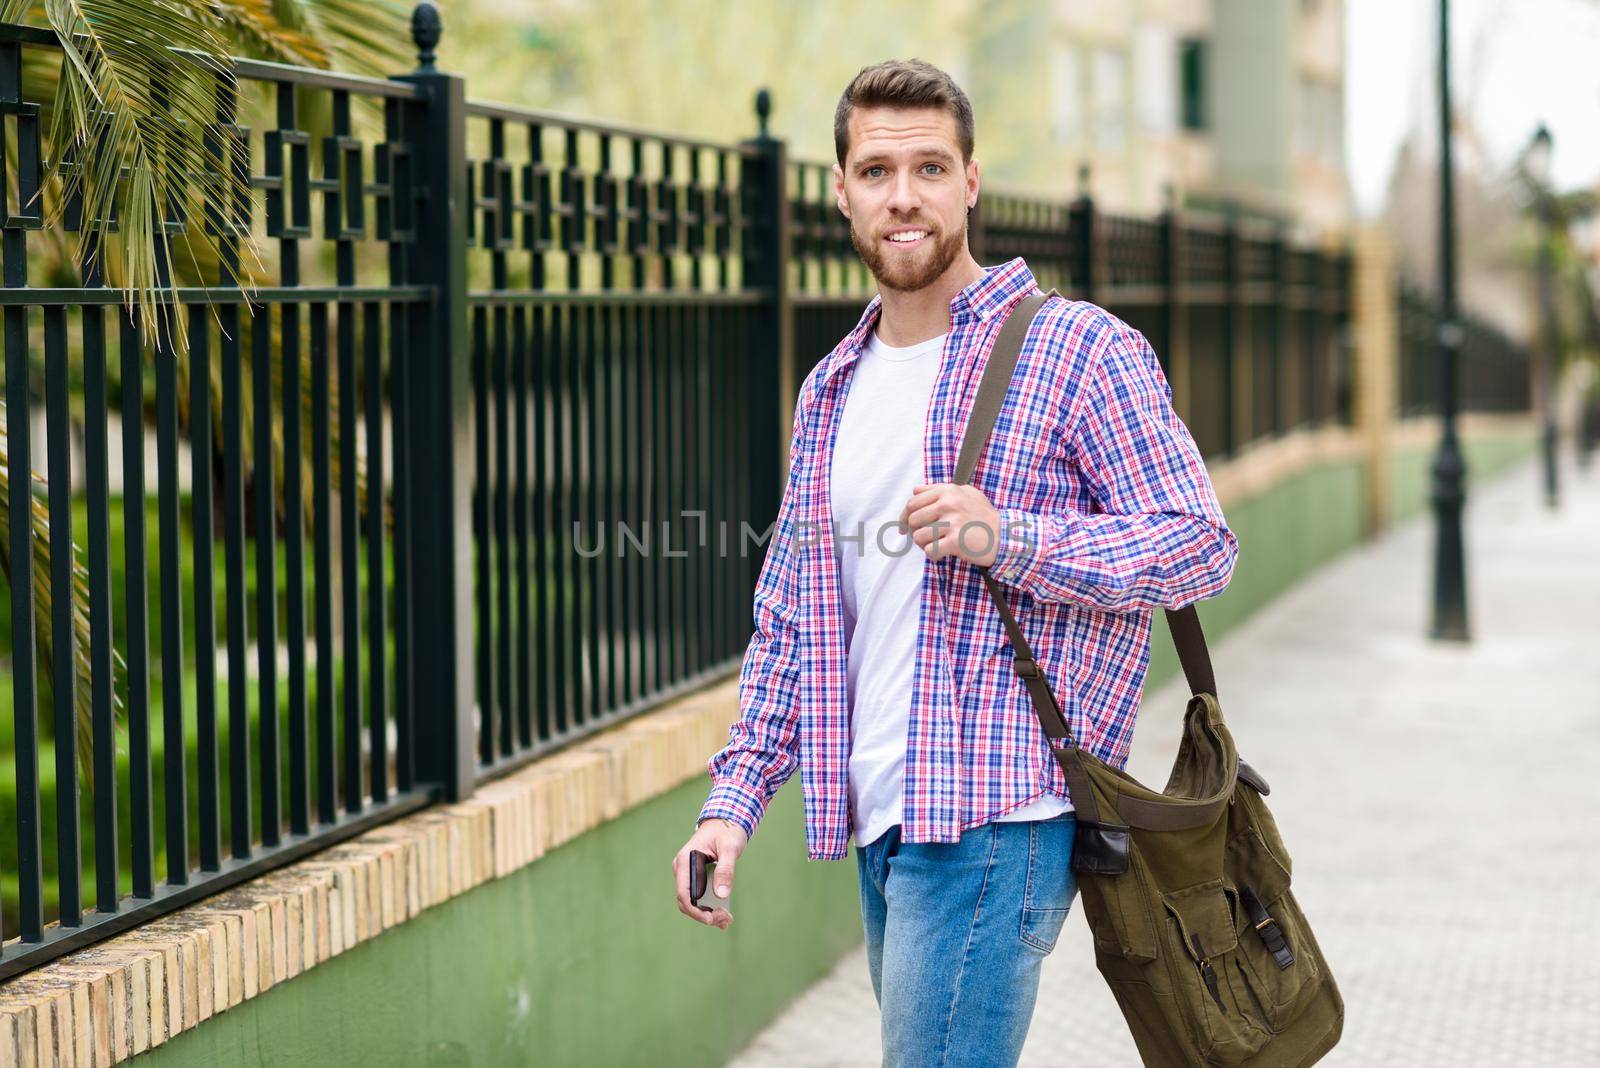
(680, 872)
(722, 883)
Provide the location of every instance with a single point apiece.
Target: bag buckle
(1026, 667)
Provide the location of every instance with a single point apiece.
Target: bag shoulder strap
(1184, 624)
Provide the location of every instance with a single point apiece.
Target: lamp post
(1536, 165)
(1449, 468)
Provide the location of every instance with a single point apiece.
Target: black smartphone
(700, 866)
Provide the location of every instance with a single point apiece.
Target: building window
(1066, 95)
(1192, 83)
(1155, 78)
(1110, 100)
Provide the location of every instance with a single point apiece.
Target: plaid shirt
(1106, 513)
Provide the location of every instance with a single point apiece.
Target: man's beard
(896, 271)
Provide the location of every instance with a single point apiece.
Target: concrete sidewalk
(1463, 928)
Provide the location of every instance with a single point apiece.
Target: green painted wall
(578, 959)
(582, 959)
(1486, 457)
(1283, 535)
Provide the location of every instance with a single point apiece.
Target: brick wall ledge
(111, 1001)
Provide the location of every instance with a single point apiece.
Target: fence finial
(763, 109)
(1083, 180)
(426, 28)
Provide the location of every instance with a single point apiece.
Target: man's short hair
(903, 83)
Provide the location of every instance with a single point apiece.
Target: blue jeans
(956, 933)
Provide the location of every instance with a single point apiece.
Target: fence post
(1235, 356)
(440, 425)
(764, 182)
(1173, 262)
(1084, 261)
(1287, 353)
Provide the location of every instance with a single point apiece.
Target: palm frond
(130, 116)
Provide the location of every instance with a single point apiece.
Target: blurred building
(1223, 100)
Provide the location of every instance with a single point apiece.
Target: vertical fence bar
(141, 809)
(543, 540)
(483, 556)
(584, 508)
(656, 594)
(349, 561)
(636, 463)
(266, 511)
(63, 642)
(101, 643)
(322, 568)
(526, 695)
(399, 409)
(609, 537)
(205, 607)
(377, 673)
(175, 789)
(438, 420)
(766, 267)
(501, 501)
(240, 795)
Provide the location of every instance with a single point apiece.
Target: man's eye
(933, 165)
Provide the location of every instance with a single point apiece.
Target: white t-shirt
(877, 459)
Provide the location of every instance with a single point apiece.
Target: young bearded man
(879, 666)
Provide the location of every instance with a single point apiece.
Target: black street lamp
(1449, 468)
(1536, 170)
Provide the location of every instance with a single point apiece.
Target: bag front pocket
(1202, 947)
(1272, 947)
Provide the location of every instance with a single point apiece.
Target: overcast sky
(1513, 64)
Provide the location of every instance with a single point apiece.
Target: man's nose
(903, 198)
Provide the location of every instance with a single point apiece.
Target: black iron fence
(1495, 372)
(486, 464)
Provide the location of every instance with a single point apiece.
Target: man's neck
(908, 318)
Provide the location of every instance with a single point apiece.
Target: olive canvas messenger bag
(1187, 889)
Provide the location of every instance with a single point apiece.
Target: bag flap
(1203, 912)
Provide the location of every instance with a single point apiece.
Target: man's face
(904, 175)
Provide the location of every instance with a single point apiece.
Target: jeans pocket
(1050, 884)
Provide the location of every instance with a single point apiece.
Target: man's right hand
(723, 841)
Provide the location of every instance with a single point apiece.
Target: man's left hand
(947, 519)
